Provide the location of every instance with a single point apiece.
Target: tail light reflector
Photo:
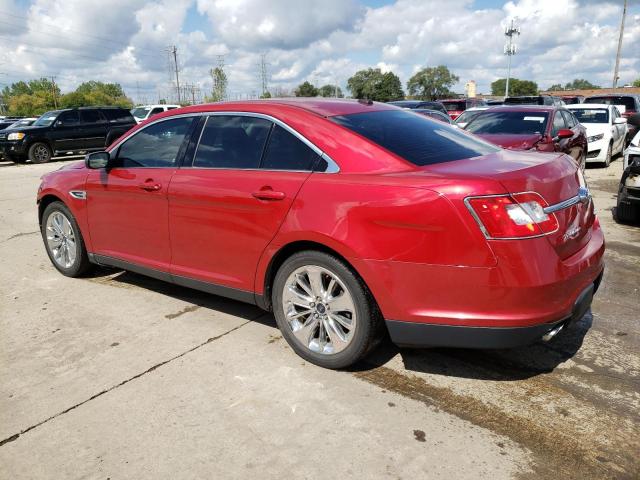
(519, 215)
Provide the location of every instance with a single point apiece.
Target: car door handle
(267, 193)
(150, 186)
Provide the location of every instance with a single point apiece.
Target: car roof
(155, 105)
(588, 105)
(324, 107)
(526, 108)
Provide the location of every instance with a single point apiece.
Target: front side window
(46, 119)
(510, 123)
(156, 146)
(68, 119)
(414, 137)
(232, 141)
(286, 152)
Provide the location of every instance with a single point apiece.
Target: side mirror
(620, 120)
(564, 133)
(97, 160)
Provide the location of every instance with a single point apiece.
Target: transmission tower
(175, 69)
(510, 49)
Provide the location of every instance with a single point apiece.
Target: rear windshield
(628, 102)
(591, 115)
(516, 123)
(523, 101)
(414, 137)
(455, 106)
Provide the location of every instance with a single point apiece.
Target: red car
(342, 217)
(540, 128)
(456, 106)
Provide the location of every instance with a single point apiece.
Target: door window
(558, 123)
(156, 146)
(91, 116)
(69, 119)
(156, 111)
(230, 141)
(286, 152)
(569, 119)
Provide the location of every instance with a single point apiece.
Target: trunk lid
(555, 177)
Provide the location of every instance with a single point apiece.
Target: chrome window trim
(332, 166)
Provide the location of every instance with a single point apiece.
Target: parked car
(572, 99)
(63, 132)
(606, 130)
(628, 204)
(343, 217)
(534, 100)
(458, 105)
(23, 122)
(419, 104)
(529, 127)
(144, 112)
(435, 114)
(629, 106)
(492, 102)
(466, 116)
(8, 121)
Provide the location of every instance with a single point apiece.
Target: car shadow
(125, 279)
(497, 365)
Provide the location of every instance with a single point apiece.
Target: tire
(627, 214)
(39, 153)
(59, 227)
(607, 160)
(18, 160)
(323, 340)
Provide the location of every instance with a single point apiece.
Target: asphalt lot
(120, 376)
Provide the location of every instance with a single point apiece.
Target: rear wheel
(324, 311)
(63, 240)
(627, 213)
(39, 153)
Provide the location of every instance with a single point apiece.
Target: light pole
(510, 49)
(615, 72)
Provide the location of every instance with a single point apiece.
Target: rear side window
(455, 106)
(91, 116)
(155, 146)
(118, 115)
(286, 152)
(230, 141)
(414, 137)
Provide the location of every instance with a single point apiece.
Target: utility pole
(263, 73)
(173, 51)
(510, 50)
(53, 92)
(615, 72)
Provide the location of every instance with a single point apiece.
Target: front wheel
(39, 153)
(324, 311)
(607, 160)
(63, 240)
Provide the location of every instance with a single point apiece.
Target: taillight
(519, 215)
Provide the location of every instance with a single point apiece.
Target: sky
(322, 41)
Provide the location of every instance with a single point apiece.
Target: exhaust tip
(552, 333)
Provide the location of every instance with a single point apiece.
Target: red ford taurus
(342, 217)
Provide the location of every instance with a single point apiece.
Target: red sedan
(538, 128)
(342, 217)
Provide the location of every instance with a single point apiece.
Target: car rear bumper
(412, 334)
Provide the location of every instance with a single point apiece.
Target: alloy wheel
(61, 239)
(41, 154)
(319, 309)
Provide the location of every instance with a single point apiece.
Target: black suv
(65, 132)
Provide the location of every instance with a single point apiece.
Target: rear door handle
(267, 193)
(150, 186)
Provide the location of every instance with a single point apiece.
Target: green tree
(265, 95)
(636, 82)
(432, 83)
(516, 87)
(305, 89)
(220, 82)
(580, 84)
(331, 91)
(372, 84)
(31, 98)
(556, 87)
